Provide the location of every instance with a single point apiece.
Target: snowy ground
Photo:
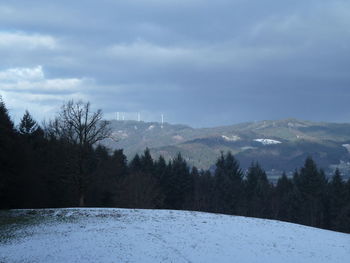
(122, 235)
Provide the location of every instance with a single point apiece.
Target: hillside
(277, 145)
(122, 235)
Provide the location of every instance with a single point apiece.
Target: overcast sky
(200, 62)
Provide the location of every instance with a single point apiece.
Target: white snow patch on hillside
(151, 127)
(347, 146)
(244, 148)
(231, 138)
(118, 135)
(178, 138)
(267, 141)
(296, 124)
(122, 235)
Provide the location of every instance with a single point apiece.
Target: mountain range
(280, 145)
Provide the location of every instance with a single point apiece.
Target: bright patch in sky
(18, 40)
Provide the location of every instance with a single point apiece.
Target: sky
(199, 62)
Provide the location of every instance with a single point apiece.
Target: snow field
(127, 235)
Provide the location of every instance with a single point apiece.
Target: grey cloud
(198, 61)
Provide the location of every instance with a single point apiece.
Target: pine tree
(119, 164)
(179, 185)
(311, 184)
(258, 192)
(343, 221)
(28, 125)
(6, 124)
(283, 198)
(135, 164)
(337, 198)
(203, 191)
(33, 183)
(146, 162)
(228, 184)
(9, 159)
(161, 171)
(160, 168)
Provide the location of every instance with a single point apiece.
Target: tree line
(61, 164)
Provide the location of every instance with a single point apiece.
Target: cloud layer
(197, 61)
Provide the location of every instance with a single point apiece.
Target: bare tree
(81, 126)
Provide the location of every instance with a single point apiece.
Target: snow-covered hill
(122, 235)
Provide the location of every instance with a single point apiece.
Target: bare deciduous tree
(79, 125)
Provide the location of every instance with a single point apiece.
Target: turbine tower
(138, 117)
(162, 120)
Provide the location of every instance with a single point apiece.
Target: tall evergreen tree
(311, 184)
(6, 124)
(337, 198)
(203, 191)
(160, 168)
(228, 184)
(9, 160)
(283, 198)
(179, 185)
(135, 164)
(146, 162)
(258, 191)
(27, 125)
(119, 163)
(161, 171)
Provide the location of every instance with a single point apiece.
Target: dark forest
(62, 164)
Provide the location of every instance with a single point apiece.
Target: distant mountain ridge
(280, 145)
